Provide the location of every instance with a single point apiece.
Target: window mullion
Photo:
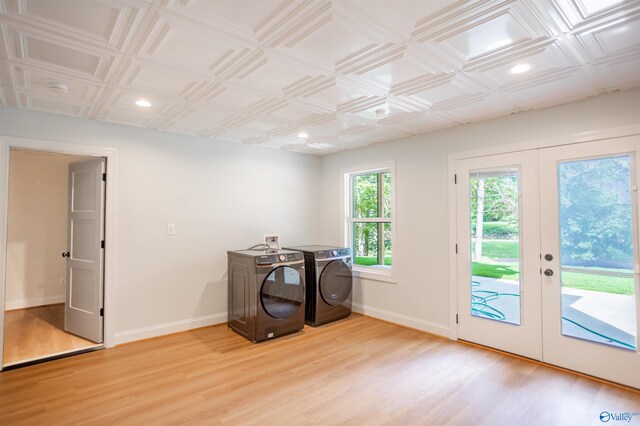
(380, 215)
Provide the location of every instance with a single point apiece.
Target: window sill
(374, 274)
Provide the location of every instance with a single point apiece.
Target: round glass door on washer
(282, 292)
(266, 294)
(329, 283)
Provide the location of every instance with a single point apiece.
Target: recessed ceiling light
(143, 103)
(520, 68)
(303, 135)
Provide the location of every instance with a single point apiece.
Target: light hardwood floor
(38, 332)
(357, 371)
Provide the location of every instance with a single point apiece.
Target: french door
(548, 255)
(499, 279)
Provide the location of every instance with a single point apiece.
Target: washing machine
(329, 283)
(266, 293)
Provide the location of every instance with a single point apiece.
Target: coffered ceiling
(346, 72)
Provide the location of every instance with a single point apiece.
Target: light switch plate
(171, 229)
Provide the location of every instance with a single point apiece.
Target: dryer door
(282, 292)
(335, 282)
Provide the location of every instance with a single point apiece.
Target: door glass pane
(596, 251)
(495, 244)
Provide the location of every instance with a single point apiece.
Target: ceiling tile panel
(36, 80)
(620, 73)
(51, 104)
(610, 38)
(106, 24)
(334, 44)
(129, 116)
(94, 18)
(568, 86)
(348, 73)
(194, 120)
(271, 74)
(161, 80)
(449, 89)
(48, 53)
(496, 33)
(395, 73)
(250, 16)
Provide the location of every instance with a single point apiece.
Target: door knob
(548, 272)
(548, 257)
(66, 254)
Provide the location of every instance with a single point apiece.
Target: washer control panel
(337, 252)
(270, 259)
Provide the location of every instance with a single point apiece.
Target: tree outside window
(370, 218)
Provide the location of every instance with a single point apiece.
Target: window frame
(373, 272)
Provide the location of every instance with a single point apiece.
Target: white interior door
(499, 276)
(589, 229)
(85, 258)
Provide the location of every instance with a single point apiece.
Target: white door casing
(85, 261)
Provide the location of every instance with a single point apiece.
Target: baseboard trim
(169, 328)
(30, 303)
(404, 320)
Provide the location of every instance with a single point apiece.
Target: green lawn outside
(500, 249)
(505, 271)
(615, 285)
(371, 260)
(509, 271)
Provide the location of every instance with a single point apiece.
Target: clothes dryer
(266, 293)
(329, 281)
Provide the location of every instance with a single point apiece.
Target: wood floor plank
(355, 371)
(38, 332)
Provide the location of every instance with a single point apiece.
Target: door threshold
(52, 357)
(555, 367)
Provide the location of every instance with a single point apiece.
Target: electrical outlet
(63, 282)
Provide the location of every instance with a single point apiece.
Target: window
(370, 218)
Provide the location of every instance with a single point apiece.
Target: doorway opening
(42, 291)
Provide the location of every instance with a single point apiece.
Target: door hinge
(104, 177)
(456, 318)
(455, 179)
(456, 248)
(102, 244)
(101, 312)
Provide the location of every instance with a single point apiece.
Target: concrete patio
(600, 317)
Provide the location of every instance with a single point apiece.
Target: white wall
(223, 196)
(420, 297)
(220, 196)
(36, 228)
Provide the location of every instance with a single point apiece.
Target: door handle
(548, 272)
(66, 254)
(548, 257)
